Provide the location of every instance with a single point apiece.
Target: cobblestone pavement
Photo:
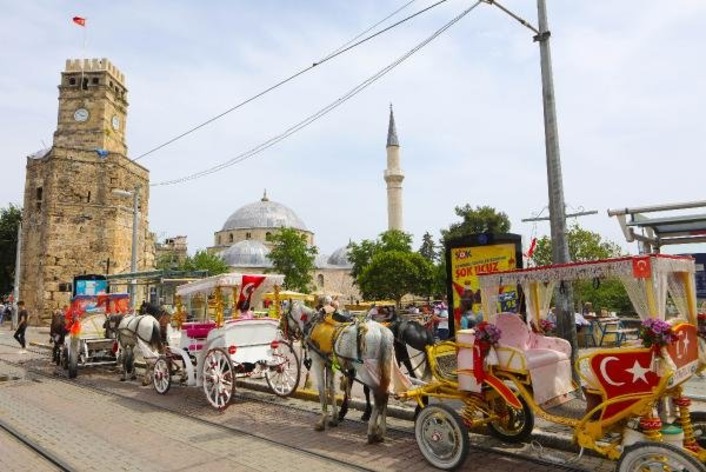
(150, 433)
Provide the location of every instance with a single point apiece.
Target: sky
(629, 80)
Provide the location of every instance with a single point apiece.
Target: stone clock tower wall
(73, 222)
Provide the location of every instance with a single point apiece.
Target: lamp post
(135, 194)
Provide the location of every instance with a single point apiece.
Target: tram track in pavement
(199, 411)
(51, 459)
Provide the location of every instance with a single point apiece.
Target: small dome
(321, 261)
(339, 258)
(264, 214)
(247, 253)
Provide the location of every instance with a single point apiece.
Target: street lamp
(135, 194)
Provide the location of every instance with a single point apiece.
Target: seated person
(381, 314)
(245, 312)
(469, 319)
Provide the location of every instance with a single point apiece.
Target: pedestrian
(2, 312)
(21, 326)
(441, 314)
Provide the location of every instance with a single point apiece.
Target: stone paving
(191, 400)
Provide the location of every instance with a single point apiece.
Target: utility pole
(557, 209)
(133, 255)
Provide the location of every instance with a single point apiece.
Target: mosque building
(243, 241)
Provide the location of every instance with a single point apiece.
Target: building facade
(80, 193)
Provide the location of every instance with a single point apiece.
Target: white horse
(141, 331)
(362, 350)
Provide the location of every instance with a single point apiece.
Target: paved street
(131, 427)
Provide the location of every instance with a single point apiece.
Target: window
(95, 81)
(320, 280)
(268, 236)
(88, 197)
(72, 81)
(248, 235)
(230, 237)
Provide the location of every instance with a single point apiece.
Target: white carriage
(89, 340)
(218, 347)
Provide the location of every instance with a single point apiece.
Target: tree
(393, 274)
(294, 258)
(428, 248)
(482, 219)
(10, 219)
(586, 245)
(202, 260)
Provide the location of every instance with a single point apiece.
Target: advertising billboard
(90, 284)
(468, 257)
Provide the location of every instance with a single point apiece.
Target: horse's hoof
(319, 427)
(122, 379)
(333, 424)
(375, 438)
(365, 417)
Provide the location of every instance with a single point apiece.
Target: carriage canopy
(648, 279)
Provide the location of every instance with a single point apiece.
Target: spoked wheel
(511, 425)
(73, 358)
(162, 375)
(218, 378)
(442, 436)
(283, 370)
(654, 456)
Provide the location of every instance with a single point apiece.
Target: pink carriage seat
(546, 359)
(535, 350)
(198, 330)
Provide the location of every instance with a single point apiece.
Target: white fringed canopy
(648, 279)
(231, 279)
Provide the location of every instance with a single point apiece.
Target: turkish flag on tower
(79, 20)
(641, 267)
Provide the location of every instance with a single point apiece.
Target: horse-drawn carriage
(213, 351)
(90, 341)
(630, 406)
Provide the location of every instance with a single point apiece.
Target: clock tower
(92, 106)
(80, 194)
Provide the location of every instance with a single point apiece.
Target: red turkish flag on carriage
(641, 267)
(249, 284)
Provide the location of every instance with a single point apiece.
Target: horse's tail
(156, 339)
(387, 354)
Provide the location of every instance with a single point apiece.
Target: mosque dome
(264, 214)
(339, 258)
(247, 253)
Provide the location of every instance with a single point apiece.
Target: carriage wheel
(283, 370)
(442, 436)
(511, 425)
(657, 456)
(218, 378)
(162, 375)
(73, 358)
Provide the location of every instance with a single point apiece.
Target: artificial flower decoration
(656, 333)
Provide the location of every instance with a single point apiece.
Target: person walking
(21, 326)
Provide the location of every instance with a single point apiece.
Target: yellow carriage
(630, 405)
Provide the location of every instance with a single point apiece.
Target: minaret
(393, 177)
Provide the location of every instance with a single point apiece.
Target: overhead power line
(343, 49)
(322, 112)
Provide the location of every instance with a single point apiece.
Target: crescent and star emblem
(604, 374)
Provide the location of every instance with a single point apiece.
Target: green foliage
(393, 274)
(10, 219)
(294, 258)
(202, 260)
(482, 219)
(428, 248)
(586, 245)
(376, 271)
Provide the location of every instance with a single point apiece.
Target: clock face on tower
(81, 114)
(116, 122)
